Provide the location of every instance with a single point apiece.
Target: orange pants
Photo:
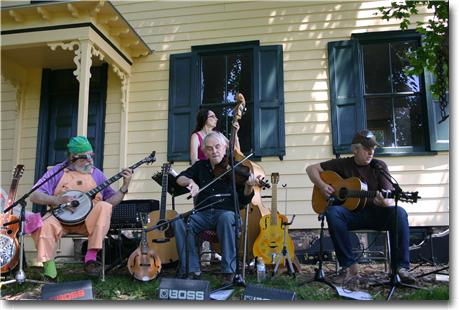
(95, 226)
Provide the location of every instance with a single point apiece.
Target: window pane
(239, 76)
(213, 79)
(379, 120)
(408, 121)
(401, 81)
(223, 76)
(376, 68)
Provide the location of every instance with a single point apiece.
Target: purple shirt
(50, 186)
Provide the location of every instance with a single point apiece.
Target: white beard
(86, 169)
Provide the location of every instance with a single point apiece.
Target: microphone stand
(238, 279)
(394, 281)
(20, 274)
(320, 275)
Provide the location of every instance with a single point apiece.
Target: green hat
(79, 144)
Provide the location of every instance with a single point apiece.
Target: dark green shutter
(346, 97)
(438, 132)
(269, 119)
(182, 108)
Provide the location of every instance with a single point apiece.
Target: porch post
(83, 96)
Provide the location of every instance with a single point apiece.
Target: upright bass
(255, 210)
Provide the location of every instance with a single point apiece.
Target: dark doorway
(59, 115)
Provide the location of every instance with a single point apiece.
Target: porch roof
(31, 32)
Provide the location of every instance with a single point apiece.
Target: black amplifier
(126, 214)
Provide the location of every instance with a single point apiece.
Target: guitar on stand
(162, 240)
(144, 264)
(273, 233)
(9, 227)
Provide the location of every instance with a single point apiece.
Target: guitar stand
(285, 255)
(20, 274)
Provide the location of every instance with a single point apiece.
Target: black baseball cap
(366, 138)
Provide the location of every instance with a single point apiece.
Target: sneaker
(406, 277)
(93, 268)
(347, 273)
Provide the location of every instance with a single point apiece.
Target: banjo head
(72, 215)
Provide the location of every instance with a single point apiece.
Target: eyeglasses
(87, 156)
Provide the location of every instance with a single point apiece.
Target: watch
(124, 192)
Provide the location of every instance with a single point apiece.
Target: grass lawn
(120, 285)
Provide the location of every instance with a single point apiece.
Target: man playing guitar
(378, 213)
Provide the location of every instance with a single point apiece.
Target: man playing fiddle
(219, 217)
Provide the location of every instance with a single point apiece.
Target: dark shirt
(347, 167)
(201, 173)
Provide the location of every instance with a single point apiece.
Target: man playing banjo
(80, 175)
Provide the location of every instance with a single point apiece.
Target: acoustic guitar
(270, 241)
(76, 211)
(9, 245)
(162, 240)
(143, 263)
(351, 193)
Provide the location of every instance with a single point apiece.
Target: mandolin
(9, 245)
(143, 263)
(350, 193)
(162, 240)
(270, 241)
(76, 211)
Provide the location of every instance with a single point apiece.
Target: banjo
(75, 212)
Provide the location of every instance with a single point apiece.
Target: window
(393, 100)
(369, 89)
(223, 75)
(210, 76)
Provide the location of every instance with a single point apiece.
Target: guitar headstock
(275, 177)
(150, 158)
(18, 171)
(144, 219)
(166, 167)
(410, 197)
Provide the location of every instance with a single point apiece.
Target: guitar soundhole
(342, 194)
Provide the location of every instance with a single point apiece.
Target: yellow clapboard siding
(304, 30)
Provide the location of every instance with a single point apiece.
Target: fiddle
(241, 172)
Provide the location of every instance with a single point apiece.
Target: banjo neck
(113, 179)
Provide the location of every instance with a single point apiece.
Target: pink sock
(91, 254)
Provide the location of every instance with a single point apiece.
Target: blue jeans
(214, 219)
(340, 220)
